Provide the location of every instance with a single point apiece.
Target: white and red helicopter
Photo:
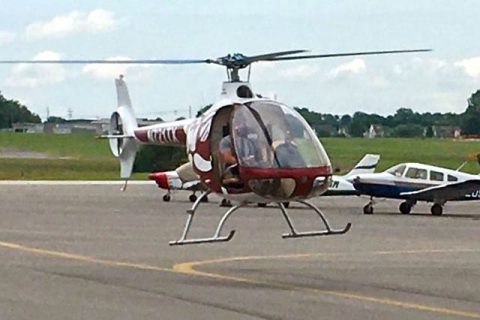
(274, 154)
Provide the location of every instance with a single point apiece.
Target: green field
(72, 157)
(84, 157)
(344, 153)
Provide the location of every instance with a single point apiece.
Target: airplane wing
(446, 192)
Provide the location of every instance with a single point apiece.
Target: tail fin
(366, 165)
(122, 130)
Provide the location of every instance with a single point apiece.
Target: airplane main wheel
(368, 209)
(192, 198)
(166, 198)
(286, 204)
(225, 203)
(436, 210)
(405, 208)
(205, 199)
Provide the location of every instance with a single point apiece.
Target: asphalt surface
(92, 252)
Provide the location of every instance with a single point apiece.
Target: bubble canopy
(267, 134)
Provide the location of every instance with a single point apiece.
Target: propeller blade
(151, 61)
(365, 53)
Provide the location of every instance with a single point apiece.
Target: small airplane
(180, 179)
(241, 148)
(415, 182)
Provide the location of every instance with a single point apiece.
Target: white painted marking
(72, 182)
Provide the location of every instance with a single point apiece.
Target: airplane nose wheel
(192, 198)
(436, 209)
(166, 197)
(368, 209)
(225, 203)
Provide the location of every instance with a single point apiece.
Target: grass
(79, 146)
(85, 157)
(82, 157)
(345, 153)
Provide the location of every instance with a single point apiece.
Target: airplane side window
(452, 178)
(436, 176)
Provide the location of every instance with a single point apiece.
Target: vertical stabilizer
(122, 130)
(368, 164)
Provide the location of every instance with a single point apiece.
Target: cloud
(6, 37)
(302, 72)
(354, 66)
(95, 21)
(111, 71)
(470, 66)
(30, 76)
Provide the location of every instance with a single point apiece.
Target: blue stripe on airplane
(383, 191)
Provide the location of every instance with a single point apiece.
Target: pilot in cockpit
(244, 151)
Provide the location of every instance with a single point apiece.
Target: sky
(437, 81)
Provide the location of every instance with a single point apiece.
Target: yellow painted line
(77, 257)
(188, 269)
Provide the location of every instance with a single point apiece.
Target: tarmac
(89, 251)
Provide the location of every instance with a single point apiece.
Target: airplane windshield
(270, 135)
(397, 170)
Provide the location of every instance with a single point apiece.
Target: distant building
(343, 131)
(325, 130)
(375, 131)
(102, 125)
(446, 132)
(78, 126)
(27, 127)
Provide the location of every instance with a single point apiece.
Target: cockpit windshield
(397, 170)
(270, 135)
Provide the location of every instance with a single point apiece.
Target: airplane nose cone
(161, 179)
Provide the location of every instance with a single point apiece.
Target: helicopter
(245, 148)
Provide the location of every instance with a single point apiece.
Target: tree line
(404, 123)
(12, 111)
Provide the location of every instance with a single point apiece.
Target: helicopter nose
(161, 179)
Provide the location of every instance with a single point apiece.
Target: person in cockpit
(243, 151)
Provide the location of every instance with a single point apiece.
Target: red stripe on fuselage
(141, 135)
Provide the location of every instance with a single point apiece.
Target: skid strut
(217, 235)
(295, 234)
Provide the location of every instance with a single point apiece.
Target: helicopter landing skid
(295, 234)
(218, 238)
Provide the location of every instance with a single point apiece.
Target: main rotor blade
(151, 61)
(365, 53)
(273, 55)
